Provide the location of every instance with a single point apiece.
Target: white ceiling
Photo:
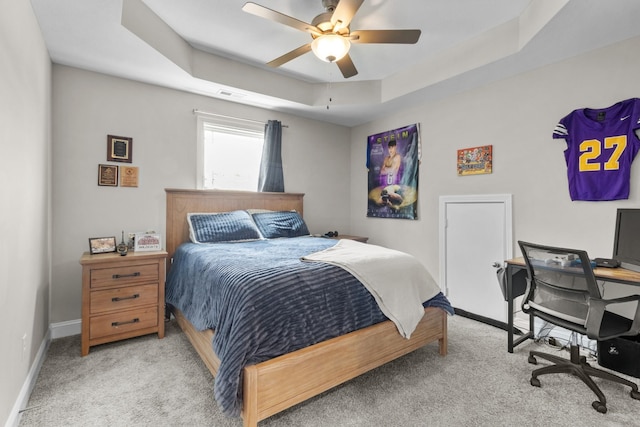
(212, 47)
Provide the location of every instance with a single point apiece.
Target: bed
(270, 386)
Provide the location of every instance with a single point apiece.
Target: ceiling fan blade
(342, 16)
(346, 67)
(289, 56)
(265, 12)
(385, 36)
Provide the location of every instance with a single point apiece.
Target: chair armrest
(635, 325)
(594, 317)
(524, 305)
(597, 308)
(628, 298)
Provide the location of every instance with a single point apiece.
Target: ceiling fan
(331, 34)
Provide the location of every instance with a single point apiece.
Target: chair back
(560, 284)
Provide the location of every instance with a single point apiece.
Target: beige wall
(89, 106)
(516, 116)
(25, 96)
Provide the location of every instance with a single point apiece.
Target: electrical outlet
(24, 346)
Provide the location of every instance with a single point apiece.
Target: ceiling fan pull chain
(329, 89)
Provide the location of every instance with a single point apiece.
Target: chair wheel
(635, 394)
(535, 382)
(598, 406)
(532, 360)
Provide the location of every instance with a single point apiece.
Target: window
(229, 153)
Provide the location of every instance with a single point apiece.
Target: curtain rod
(196, 111)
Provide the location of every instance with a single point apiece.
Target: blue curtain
(271, 178)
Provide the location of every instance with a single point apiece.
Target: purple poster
(392, 161)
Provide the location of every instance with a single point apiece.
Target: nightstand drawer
(123, 298)
(124, 275)
(121, 322)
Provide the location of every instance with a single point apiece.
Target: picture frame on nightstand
(144, 242)
(102, 245)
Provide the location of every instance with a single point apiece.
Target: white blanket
(398, 281)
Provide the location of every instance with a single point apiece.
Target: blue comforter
(263, 301)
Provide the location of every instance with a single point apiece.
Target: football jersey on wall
(601, 145)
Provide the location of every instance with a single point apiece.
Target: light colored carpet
(150, 382)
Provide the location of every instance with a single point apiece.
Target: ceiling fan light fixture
(330, 47)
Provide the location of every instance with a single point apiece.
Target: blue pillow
(280, 224)
(222, 227)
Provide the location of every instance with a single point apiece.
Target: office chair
(562, 290)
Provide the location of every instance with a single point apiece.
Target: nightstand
(347, 236)
(122, 296)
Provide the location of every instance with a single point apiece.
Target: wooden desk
(617, 275)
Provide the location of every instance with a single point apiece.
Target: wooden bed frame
(277, 384)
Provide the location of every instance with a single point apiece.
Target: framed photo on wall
(128, 176)
(475, 160)
(108, 175)
(119, 149)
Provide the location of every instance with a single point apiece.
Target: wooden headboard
(182, 202)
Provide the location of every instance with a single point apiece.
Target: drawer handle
(116, 299)
(120, 276)
(116, 324)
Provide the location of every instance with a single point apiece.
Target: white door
(475, 232)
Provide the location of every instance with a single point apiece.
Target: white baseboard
(29, 382)
(65, 329)
(56, 330)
